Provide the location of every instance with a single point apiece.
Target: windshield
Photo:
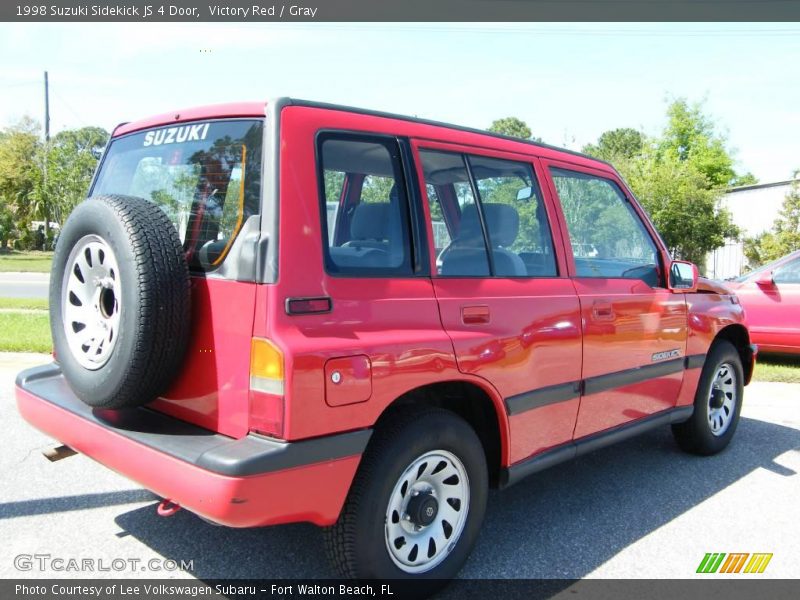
(206, 176)
(760, 269)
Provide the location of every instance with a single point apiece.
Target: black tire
(696, 435)
(357, 545)
(153, 307)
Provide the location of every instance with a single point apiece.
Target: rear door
(634, 329)
(503, 292)
(348, 235)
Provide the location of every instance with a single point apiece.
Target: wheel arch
(738, 335)
(479, 406)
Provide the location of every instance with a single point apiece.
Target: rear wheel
(417, 502)
(717, 404)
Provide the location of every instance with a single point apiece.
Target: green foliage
(71, 158)
(682, 206)
(617, 143)
(20, 175)
(43, 181)
(785, 235)
(678, 177)
(599, 223)
(376, 188)
(514, 127)
(690, 136)
(7, 227)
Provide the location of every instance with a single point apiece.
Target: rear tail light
(266, 388)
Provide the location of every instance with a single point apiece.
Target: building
(754, 209)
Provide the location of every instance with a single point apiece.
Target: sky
(568, 81)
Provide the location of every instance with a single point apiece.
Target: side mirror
(683, 276)
(765, 279)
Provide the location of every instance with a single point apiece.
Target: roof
(758, 186)
(227, 110)
(257, 109)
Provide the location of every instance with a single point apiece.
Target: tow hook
(58, 452)
(167, 508)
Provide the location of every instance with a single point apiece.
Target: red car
(228, 341)
(771, 298)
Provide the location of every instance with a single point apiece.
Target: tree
(71, 160)
(514, 127)
(678, 177)
(6, 225)
(691, 136)
(785, 235)
(20, 173)
(683, 209)
(617, 143)
(44, 181)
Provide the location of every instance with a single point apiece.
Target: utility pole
(46, 109)
(46, 157)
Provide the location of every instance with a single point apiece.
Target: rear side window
(205, 176)
(365, 208)
(508, 217)
(608, 238)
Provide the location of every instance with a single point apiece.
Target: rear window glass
(205, 176)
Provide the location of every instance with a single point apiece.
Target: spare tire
(119, 301)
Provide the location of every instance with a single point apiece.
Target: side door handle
(602, 311)
(475, 315)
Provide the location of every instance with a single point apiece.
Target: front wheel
(717, 403)
(417, 501)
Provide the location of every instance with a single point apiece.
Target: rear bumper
(240, 483)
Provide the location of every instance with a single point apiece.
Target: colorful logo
(735, 562)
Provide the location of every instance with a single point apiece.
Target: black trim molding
(695, 361)
(542, 397)
(603, 383)
(539, 462)
(250, 455)
(570, 390)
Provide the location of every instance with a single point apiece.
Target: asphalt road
(24, 285)
(641, 509)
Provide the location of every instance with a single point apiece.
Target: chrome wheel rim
(436, 480)
(722, 399)
(90, 302)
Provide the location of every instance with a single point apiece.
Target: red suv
(305, 312)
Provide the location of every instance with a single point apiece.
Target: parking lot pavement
(639, 509)
(24, 285)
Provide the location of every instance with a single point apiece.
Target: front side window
(508, 210)
(205, 176)
(608, 238)
(365, 225)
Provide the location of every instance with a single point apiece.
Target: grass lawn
(24, 303)
(25, 332)
(774, 368)
(31, 262)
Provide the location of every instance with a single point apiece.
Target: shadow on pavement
(42, 506)
(561, 523)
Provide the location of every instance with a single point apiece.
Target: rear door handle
(474, 315)
(603, 311)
